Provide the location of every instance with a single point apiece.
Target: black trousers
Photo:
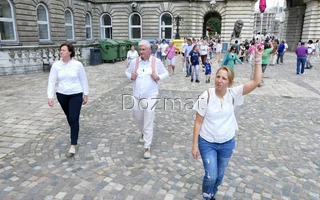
(71, 106)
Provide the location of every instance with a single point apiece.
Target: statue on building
(237, 29)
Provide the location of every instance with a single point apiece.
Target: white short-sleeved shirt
(219, 122)
(218, 48)
(204, 50)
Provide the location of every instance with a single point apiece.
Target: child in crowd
(208, 66)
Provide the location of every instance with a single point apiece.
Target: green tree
(215, 25)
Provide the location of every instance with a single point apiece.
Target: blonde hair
(230, 72)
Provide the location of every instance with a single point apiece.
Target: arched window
(135, 26)
(43, 23)
(166, 26)
(69, 25)
(7, 22)
(88, 26)
(106, 26)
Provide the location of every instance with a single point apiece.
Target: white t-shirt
(285, 47)
(132, 55)
(311, 48)
(204, 50)
(218, 48)
(163, 47)
(219, 122)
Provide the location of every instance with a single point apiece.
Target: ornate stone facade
(27, 53)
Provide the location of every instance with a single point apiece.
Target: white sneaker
(141, 140)
(146, 153)
(72, 150)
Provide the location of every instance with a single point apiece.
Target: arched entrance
(213, 20)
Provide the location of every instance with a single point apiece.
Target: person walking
(230, 58)
(218, 51)
(188, 48)
(183, 60)
(208, 67)
(159, 54)
(273, 54)
(195, 61)
(145, 72)
(171, 60)
(163, 47)
(215, 124)
(281, 48)
(132, 54)
(301, 52)
(154, 48)
(72, 91)
(311, 50)
(268, 48)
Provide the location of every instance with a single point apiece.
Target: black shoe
(207, 81)
(197, 81)
(191, 80)
(310, 67)
(307, 68)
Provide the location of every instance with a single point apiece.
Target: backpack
(153, 65)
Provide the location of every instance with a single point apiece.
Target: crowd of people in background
(198, 54)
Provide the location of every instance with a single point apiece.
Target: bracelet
(258, 60)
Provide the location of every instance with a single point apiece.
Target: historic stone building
(32, 30)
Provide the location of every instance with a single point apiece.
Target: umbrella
(209, 28)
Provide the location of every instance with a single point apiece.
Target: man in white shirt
(145, 72)
(311, 50)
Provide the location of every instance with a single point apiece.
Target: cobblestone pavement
(277, 153)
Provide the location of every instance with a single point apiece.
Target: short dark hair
(70, 48)
(310, 41)
(302, 43)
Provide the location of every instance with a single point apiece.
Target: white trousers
(143, 114)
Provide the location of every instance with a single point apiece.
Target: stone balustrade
(33, 59)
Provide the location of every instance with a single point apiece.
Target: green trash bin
(122, 49)
(135, 42)
(109, 50)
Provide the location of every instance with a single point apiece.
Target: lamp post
(178, 19)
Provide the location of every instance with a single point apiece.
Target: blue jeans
(71, 106)
(188, 71)
(159, 55)
(301, 61)
(215, 158)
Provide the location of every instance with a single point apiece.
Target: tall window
(7, 22)
(88, 26)
(43, 23)
(135, 26)
(69, 25)
(106, 26)
(166, 26)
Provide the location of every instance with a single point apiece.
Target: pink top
(171, 52)
(251, 50)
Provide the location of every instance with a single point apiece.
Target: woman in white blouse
(215, 124)
(72, 89)
(132, 54)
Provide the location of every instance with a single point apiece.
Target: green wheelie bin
(135, 42)
(109, 50)
(122, 49)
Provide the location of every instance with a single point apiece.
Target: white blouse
(219, 122)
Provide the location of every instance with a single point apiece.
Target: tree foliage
(215, 25)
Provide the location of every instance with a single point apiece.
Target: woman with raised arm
(215, 124)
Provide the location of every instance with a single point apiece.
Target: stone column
(311, 25)
(293, 25)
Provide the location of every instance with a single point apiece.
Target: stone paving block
(276, 155)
